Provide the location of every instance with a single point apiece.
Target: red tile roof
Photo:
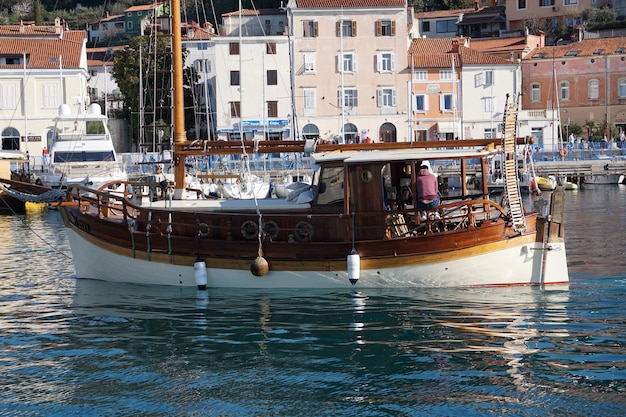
(499, 44)
(437, 52)
(102, 55)
(336, 4)
(42, 45)
(143, 7)
(260, 12)
(435, 14)
(587, 47)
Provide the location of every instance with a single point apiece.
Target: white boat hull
(518, 264)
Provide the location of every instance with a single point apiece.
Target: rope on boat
(49, 196)
(259, 266)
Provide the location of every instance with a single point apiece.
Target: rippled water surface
(88, 348)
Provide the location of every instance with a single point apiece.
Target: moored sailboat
(346, 230)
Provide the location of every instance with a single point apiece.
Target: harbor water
(88, 348)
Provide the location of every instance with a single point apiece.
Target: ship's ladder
(511, 180)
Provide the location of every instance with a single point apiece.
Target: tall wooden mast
(180, 135)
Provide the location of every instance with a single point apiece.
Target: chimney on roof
(57, 25)
(22, 26)
(107, 15)
(475, 5)
(455, 46)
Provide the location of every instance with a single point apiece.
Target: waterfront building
(41, 67)
(584, 81)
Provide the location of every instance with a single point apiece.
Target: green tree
(37, 13)
(151, 57)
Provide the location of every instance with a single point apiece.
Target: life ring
(203, 230)
(563, 152)
(303, 232)
(249, 230)
(271, 229)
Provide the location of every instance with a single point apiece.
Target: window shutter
(315, 30)
(393, 98)
(379, 28)
(393, 28)
(338, 29)
(354, 63)
(340, 98)
(393, 62)
(354, 28)
(425, 102)
(379, 97)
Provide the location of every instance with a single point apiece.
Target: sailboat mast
(178, 102)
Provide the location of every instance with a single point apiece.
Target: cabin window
(331, 187)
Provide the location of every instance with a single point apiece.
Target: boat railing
(456, 215)
(293, 226)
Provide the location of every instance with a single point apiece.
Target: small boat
(19, 192)
(497, 176)
(81, 151)
(546, 184)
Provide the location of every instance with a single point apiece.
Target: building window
(385, 28)
(129, 25)
(234, 48)
(349, 98)
(426, 26)
(347, 62)
(234, 78)
(385, 62)
(272, 77)
(7, 96)
(420, 76)
(564, 90)
(309, 98)
(445, 75)
(270, 48)
(488, 78)
(272, 109)
(546, 3)
(346, 28)
(535, 93)
(445, 102)
(310, 29)
(446, 26)
(488, 104)
(202, 65)
(484, 79)
(420, 103)
(50, 96)
(570, 2)
(138, 12)
(621, 88)
(235, 109)
(386, 97)
(10, 139)
(309, 63)
(594, 89)
(490, 133)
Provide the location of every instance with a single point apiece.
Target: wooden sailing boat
(341, 231)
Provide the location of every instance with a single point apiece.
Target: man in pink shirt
(427, 189)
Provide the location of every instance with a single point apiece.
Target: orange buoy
(259, 266)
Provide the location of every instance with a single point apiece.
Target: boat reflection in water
(492, 336)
